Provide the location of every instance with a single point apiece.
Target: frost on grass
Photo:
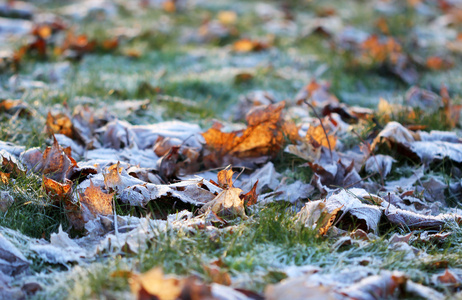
(362, 202)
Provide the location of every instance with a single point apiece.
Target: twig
(323, 128)
(373, 155)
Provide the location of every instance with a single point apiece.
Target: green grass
(195, 82)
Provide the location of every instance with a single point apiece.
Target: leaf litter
(123, 184)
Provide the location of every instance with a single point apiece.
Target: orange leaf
(57, 191)
(154, 285)
(243, 45)
(96, 201)
(316, 136)
(251, 197)
(225, 178)
(60, 123)
(263, 136)
(56, 162)
(4, 177)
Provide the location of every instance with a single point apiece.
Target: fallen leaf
(97, 202)
(251, 197)
(227, 204)
(263, 137)
(153, 284)
(57, 191)
(380, 164)
(56, 162)
(376, 287)
(60, 123)
(316, 215)
(316, 136)
(12, 261)
(299, 288)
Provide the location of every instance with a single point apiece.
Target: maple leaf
(60, 123)
(263, 136)
(62, 193)
(56, 190)
(96, 201)
(227, 203)
(247, 45)
(316, 136)
(315, 215)
(56, 163)
(154, 285)
(251, 197)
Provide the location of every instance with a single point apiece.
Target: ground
(375, 76)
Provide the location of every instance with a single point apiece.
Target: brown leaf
(57, 191)
(4, 177)
(448, 278)
(251, 197)
(60, 123)
(315, 215)
(227, 204)
(14, 106)
(96, 201)
(376, 287)
(225, 178)
(61, 193)
(56, 162)
(263, 137)
(316, 136)
(217, 274)
(154, 285)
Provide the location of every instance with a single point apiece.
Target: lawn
(226, 149)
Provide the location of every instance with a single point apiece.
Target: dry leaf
(263, 137)
(299, 288)
(56, 162)
(316, 136)
(96, 201)
(251, 197)
(376, 287)
(57, 191)
(154, 285)
(225, 178)
(227, 204)
(60, 123)
(316, 215)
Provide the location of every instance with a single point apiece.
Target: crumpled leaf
(227, 204)
(11, 165)
(316, 215)
(349, 203)
(62, 193)
(56, 162)
(116, 178)
(12, 261)
(56, 190)
(60, 123)
(263, 137)
(298, 288)
(329, 176)
(316, 136)
(154, 285)
(317, 94)
(376, 287)
(97, 202)
(196, 192)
